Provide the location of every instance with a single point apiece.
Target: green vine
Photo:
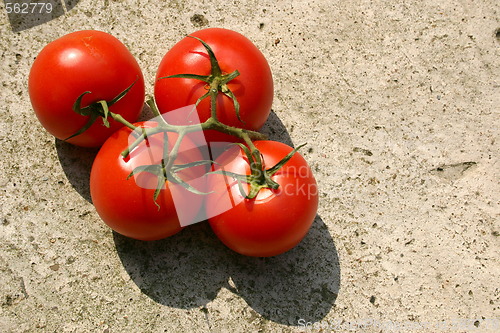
(259, 178)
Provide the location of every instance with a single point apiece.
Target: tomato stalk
(217, 81)
(210, 124)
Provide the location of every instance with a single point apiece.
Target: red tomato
(127, 205)
(78, 62)
(253, 88)
(275, 220)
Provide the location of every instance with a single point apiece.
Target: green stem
(172, 155)
(145, 133)
(214, 92)
(209, 124)
(122, 120)
(260, 176)
(256, 164)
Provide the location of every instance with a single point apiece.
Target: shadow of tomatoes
(188, 270)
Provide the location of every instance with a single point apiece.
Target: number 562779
(28, 7)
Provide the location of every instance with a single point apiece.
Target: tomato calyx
(167, 171)
(217, 82)
(165, 175)
(99, 109)
(259, 177)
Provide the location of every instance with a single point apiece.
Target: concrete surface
(399, 101)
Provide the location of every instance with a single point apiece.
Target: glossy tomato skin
(253, 88)
(83, 61)
(127, 205)
(276, 220)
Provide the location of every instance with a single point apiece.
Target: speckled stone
(399, 103)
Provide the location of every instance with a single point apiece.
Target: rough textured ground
(399, 102)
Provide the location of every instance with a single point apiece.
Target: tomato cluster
(151, 179)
